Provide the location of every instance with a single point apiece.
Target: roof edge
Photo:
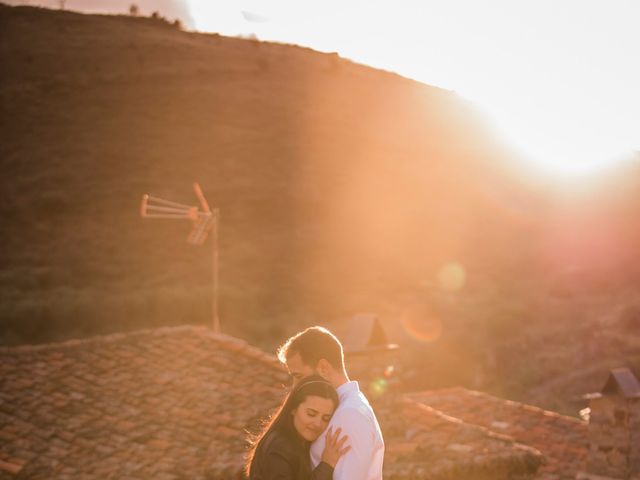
(108, 338)
(409, 402)
(228, 342)
(477, 393)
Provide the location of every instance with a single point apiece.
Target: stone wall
(634, 426)
(614, 436)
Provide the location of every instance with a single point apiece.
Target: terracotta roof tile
(423, 442)
(166, 403)
(175, 403)
(562, 440)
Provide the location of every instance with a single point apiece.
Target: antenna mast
(204, 221)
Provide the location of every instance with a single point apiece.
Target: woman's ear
(324, 369)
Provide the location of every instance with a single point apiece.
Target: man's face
(297, 368)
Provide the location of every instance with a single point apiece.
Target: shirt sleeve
(354, 465)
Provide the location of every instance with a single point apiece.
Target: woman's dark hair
(313, 385)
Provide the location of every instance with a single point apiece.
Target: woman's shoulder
(279, 442)
(278, 456)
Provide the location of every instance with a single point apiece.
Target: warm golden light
(378, 387)
(558, 78)
(421, 324)
(452, 277)
(568, 151)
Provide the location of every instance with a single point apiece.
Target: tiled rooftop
(562, 440)
(174, 403)
(424, 443)
(165, 404)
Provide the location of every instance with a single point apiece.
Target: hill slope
(341, 188)
(325, 171)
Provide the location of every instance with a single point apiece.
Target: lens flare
(452, 277)
(378, 387)
(421, 324)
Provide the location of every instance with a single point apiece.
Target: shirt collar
(347, 389)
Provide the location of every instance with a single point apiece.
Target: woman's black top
(281, 457)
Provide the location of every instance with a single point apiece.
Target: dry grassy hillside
(341, 188)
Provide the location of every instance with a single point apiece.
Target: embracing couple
(325, 429)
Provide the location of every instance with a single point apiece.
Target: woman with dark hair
(281, 450)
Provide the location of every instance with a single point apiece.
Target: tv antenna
(204, 221)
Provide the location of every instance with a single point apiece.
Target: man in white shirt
(317, 351)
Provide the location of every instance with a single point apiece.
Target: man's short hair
(313, 344)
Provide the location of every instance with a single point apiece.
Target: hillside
(342, 189)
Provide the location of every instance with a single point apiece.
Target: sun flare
(569, 152)
(558, 79)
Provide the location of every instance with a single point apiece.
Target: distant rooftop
(623, 381)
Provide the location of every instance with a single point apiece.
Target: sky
(559, 78)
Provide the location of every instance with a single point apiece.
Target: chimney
(614, 429)
(369, 357)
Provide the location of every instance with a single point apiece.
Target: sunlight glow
(379, 387)
(559, 79)
(421, 324)
(452, 277)
(220, 17)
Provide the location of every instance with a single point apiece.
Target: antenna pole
(214, 302)
(203, 222)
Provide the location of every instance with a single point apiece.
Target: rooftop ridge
(521, 405)
(225, 341)
(526, 406)
(107, 338)
(238, 345)
(421, 407)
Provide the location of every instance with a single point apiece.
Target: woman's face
(312, 416)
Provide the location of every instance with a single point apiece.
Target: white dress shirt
(355, 417)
